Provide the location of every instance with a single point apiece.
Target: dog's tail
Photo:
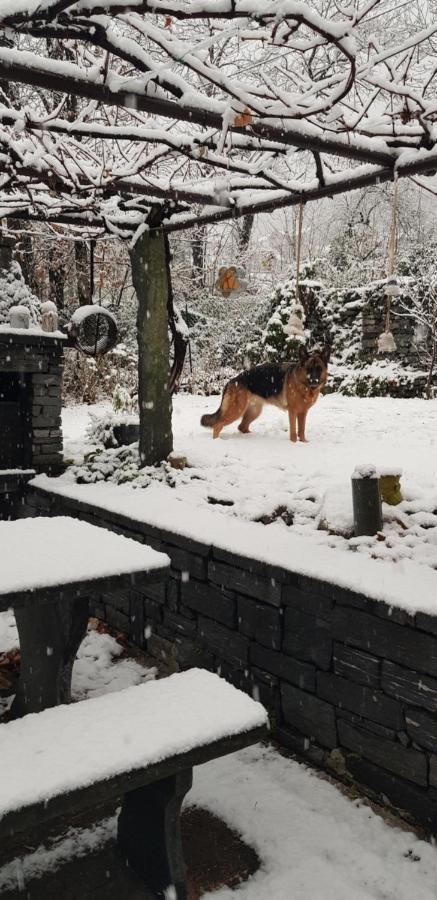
(208, 420)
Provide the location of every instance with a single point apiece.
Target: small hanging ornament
(49, 316)
(386, 341)
(392, 288)
(294, 326)
(231, 280)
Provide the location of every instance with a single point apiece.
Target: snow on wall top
(99, 738)
(394, 583)
(43, 552)
(33, 331)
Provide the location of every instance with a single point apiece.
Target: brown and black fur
(291, 388)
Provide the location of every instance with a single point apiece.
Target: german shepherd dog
(292, 388)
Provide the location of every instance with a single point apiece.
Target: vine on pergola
(124, 117)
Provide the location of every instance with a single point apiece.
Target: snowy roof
(45, 552)
(66, 748)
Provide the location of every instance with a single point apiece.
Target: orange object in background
(227, 280)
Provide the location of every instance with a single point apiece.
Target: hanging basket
(392, 288)
(294, 326)
(386, 342)
(93, 330)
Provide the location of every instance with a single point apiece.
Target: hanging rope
(294, 327)
(298, 249)
(386, 341)
(393, 230)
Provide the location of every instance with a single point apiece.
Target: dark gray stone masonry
(30, 401)
(351, 685)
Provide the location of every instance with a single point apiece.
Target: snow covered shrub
(88, 380)
(122, 400)
(379, 379)
(15, 292)
(82, 382)
(100, 431)
(206, 383)
(120, 465)
(219, 327)
(271, 343)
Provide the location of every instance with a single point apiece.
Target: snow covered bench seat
(139, 744)
(49, 569)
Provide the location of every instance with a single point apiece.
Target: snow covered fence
(350, 682)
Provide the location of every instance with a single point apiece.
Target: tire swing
(294, 327)
(386, 341)
(92, 330)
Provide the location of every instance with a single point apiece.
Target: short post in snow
(366, 501)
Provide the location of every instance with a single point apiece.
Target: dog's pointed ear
(303, 354)
(325, 354)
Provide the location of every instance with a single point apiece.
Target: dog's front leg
(292, 421)
(301, 419)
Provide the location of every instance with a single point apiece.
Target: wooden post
(150, 280)
(366, 501)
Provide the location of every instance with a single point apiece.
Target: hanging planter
(294, 326)
(392, 288)
(386, 342)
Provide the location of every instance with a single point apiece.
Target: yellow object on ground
(390, 489)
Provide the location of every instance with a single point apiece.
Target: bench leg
(50, 635)
(149, 834)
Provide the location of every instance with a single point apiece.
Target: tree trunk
(428, 388)
(150, 280)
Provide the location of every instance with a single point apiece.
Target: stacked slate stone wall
(351, 684)
(38, 360)
(373, 324)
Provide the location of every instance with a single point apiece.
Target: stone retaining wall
(351, 684)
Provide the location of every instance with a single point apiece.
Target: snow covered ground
(257, 473)
(304, 488)
(312, 841)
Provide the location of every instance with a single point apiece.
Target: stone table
(49, 569)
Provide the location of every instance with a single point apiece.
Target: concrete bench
(139, 745)
(49, 568)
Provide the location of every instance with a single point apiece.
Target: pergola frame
(141, 118)
(148, 85)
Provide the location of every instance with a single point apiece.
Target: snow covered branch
(118, 107)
